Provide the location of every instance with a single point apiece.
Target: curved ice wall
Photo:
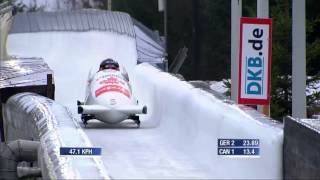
(192, 120)
(32, 117)
(71, 55)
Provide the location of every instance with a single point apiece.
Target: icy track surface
(178, 137)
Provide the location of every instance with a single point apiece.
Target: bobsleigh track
(178, 137)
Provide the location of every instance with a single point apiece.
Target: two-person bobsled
(109, 96)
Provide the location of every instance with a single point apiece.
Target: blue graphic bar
(239, 151)
(262, 74)
(245, 79)
(238, 142)
(80, 151)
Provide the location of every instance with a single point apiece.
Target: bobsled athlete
(109, 64)
(109, 96)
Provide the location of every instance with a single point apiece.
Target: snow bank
(219, 86)
(193, 121)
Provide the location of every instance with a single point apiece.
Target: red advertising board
(255, 61)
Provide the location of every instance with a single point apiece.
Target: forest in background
(203, 26)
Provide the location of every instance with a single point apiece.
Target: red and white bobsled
(109, 98)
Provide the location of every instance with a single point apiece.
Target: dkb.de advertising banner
(255, 61)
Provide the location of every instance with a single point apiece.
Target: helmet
(109, 64)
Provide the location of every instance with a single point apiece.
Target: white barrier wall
(193, 120)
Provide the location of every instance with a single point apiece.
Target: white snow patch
(218, 86)
(313, 88)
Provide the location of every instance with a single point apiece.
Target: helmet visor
(110, 66)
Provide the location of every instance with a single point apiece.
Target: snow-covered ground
(218, 86)
(313, 87)
(178, 137)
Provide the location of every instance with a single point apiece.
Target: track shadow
(96, 124)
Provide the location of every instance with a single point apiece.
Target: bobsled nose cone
(144, 110)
